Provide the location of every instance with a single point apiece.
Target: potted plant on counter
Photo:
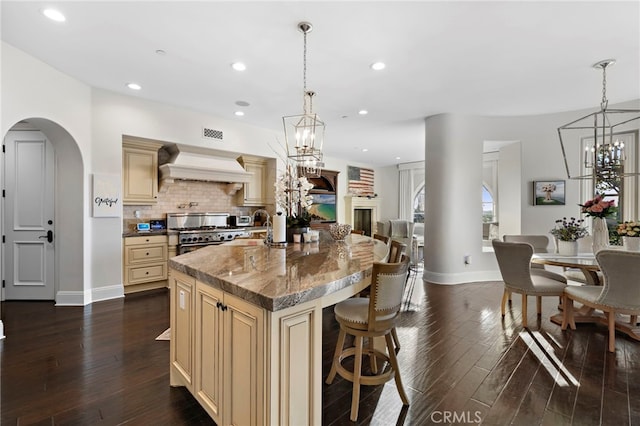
(293, 199)
(567, 233)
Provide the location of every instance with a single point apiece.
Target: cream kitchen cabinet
(228, 357)
(260, 190)
(139, 171)
(145, 263)
(181, 352)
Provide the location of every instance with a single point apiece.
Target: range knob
(199, 238)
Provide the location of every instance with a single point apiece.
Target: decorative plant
(598, 207)
(569, 230)
(629, 229)
(292, 195)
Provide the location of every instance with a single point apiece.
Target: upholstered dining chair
(540, 244)
(514, 261)
(371, 317)
(619, 293)
(357, 231)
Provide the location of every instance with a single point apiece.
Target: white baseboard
(82, 298)
(71, 298)
(107, 293)
(2, 336)
(461, 278)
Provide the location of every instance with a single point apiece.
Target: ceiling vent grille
(211, 134)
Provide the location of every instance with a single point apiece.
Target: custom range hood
(204, 164)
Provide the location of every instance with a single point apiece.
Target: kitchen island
(246, 324)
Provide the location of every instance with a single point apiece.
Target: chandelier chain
(304, 73)
(604, 86)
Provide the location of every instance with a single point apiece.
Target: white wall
(60, 107)
(446, 162)
(510, 189)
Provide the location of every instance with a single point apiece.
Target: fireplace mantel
(352, 203)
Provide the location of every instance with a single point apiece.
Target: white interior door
(28, 220)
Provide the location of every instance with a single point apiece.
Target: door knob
(49, 236)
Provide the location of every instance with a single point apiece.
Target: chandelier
(304, 134)
(604, 152)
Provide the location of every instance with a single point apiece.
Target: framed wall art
(549, 193)
(106, 200)
(360, 181)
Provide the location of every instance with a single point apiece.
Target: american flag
(360, 181)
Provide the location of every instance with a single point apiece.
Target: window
(488, 206)
(418, 207)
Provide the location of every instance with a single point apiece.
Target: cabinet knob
(147, 254)
(147, 272)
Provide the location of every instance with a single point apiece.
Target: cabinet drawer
(147, 273)
(148, 239)
(144, 254)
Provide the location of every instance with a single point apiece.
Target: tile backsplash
(189, 196)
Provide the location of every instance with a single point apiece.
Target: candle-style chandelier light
(304, 134)
(604, 153)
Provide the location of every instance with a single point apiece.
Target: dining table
(585, 262)
(588, 264)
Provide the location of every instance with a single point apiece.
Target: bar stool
(371, 317)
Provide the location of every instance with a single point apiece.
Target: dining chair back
(514, 260)
(382, 238)
(540, 243)
(618, 295)
(396, 250)
(371, 317)
(621, 270)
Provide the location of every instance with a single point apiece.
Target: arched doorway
(68, 210)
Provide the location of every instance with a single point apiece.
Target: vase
(631, 243)
(568, 248)
(600, 233)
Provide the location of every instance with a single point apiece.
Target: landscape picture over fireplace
(323, 208)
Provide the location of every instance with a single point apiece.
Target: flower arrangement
(629, 229)
(569, 230)
(292, 197)
(549, 187)
(598, 207)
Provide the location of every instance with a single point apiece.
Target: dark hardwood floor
(460, 363)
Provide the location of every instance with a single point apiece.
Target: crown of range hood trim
(203, 164)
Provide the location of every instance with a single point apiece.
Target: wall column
(453, 206)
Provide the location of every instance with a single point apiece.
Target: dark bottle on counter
(258, 219)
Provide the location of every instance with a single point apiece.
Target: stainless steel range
(197, 230)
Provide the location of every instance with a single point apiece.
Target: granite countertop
(278, 278)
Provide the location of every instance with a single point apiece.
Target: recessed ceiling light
(363, 112)
(377, 66)
(238, 66)
(365, 149)
(160, 52)
(242, 103)
(54, 15)
(239, 113)
(134, 86)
